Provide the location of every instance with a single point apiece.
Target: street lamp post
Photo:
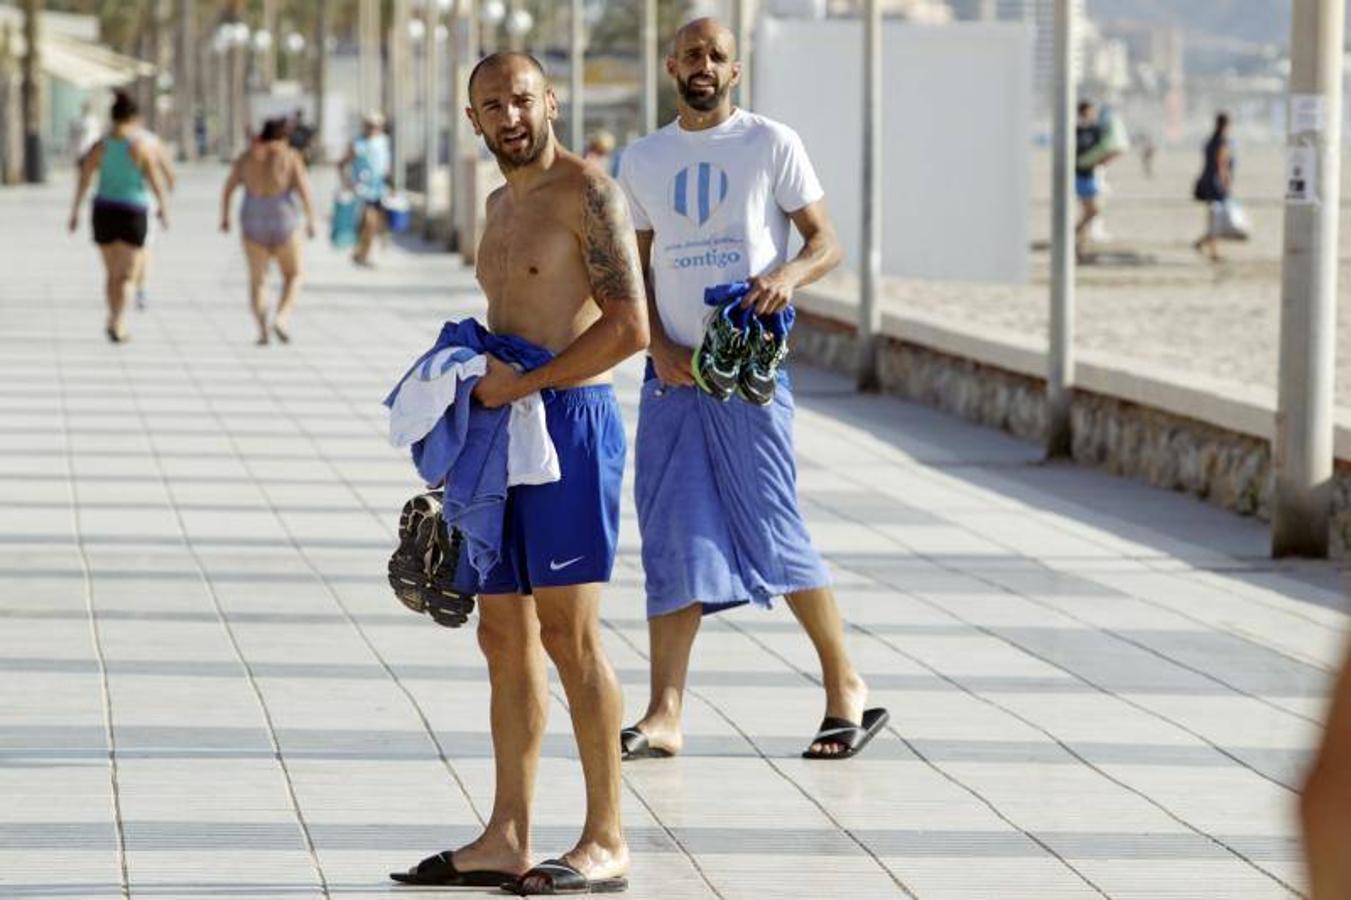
(1304, 424)
(34, 165)
(368, 54)
(519, 23)
(321, 29)
(870, 262)
(649, 66)
(1060, 352)
(742, 22)
(398, 90)
(491, 15)
(431, 106)
(185, 81)
(464, 35)
(577, 78)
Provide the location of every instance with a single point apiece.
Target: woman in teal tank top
(127, 179)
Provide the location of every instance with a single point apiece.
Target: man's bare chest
(523, 248)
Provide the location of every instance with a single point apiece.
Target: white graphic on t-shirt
(697, 191)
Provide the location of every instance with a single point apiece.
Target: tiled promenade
(208, 690)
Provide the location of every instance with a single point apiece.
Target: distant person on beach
(1215, 187)
(1148, 149)
(1100, 137)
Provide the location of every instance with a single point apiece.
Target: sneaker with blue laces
(722, 353)
(767, 349)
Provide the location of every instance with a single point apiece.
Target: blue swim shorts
(566, 532)
(1087, 187)
(716, 491)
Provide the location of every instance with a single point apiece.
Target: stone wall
(1224, 467)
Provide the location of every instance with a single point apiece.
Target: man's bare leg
(670, 641)
(509, 636)
(288, 260)
(569, 619)
(846, 692)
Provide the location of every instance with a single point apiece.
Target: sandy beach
(1152, 296)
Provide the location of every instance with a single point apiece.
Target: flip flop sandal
(853, 738)
(561, 878)
(634, 744)
(440, 870)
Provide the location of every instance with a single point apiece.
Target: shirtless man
(559, 266)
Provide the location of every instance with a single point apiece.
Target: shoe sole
(432, 594)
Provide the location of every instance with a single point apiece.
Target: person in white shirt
(84, 132)
(712, 195)
(155, 147)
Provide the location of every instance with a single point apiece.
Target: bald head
(703, 65)
(508, 63)
(704, 29)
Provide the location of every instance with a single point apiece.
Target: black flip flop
(634, 744)
(282, 334)
(846, 734)
(562, 878)
(440, 870)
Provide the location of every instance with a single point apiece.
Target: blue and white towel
(476, 452)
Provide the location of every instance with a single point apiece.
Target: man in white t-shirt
(712, 196)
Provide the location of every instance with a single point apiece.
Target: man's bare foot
(843, 701)
(591, 859)
(492, 853)
(663, 733)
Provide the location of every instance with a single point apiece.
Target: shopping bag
(346, 219)
(1232, 221)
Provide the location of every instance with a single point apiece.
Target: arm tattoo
(609, 244)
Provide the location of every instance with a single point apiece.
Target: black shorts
(115, 222)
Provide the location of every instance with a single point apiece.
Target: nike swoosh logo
(556, 566)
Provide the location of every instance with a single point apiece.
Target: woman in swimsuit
(127, 177)
(272, 174)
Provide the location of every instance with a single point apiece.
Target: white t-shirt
(717, 202)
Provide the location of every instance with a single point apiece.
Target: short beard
(702, 104)
(539, 139)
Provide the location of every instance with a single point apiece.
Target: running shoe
(427, 569)
(760, 375)
(719, 357)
